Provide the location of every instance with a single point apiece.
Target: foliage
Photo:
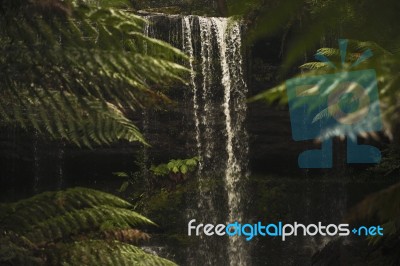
(386, 64)
(111, 253)
(78, 226)
(304, 24)
(176, 170)
(322, 22)
(318, 22)
(176, 166)
(75, 71)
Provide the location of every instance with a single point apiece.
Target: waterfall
(225, 36)
(188, 48)
(231, 64)
(217, 98)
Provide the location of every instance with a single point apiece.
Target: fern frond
(39, 208)
(14, 250)
(75, 77)
(96, 252)
(314, 66)
(81, 120)
(324, 114)
(329, 52)
(360, 46)
(75, 222)
(74, 227)
(387, 68)
(126, 235)
(275, 94)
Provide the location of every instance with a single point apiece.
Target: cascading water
(236, 145)
(202, 114)
(218, 110)
(220, 38)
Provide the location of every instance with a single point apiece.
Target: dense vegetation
(79, 70)
(74, 227)
(74, 71)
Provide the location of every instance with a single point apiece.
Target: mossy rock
(171, 10)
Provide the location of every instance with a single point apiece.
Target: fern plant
(387, 67)
(176, 169)
(75, 70)
(177, 166)
(78, 226)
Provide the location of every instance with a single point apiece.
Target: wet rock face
(172, 133)
(271, 144)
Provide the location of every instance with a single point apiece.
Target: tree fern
(74, 227)
(49, 204)
(76, 75)
(72, 223)
(126, 235)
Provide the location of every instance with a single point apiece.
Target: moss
(166, 205)
(165, 10)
